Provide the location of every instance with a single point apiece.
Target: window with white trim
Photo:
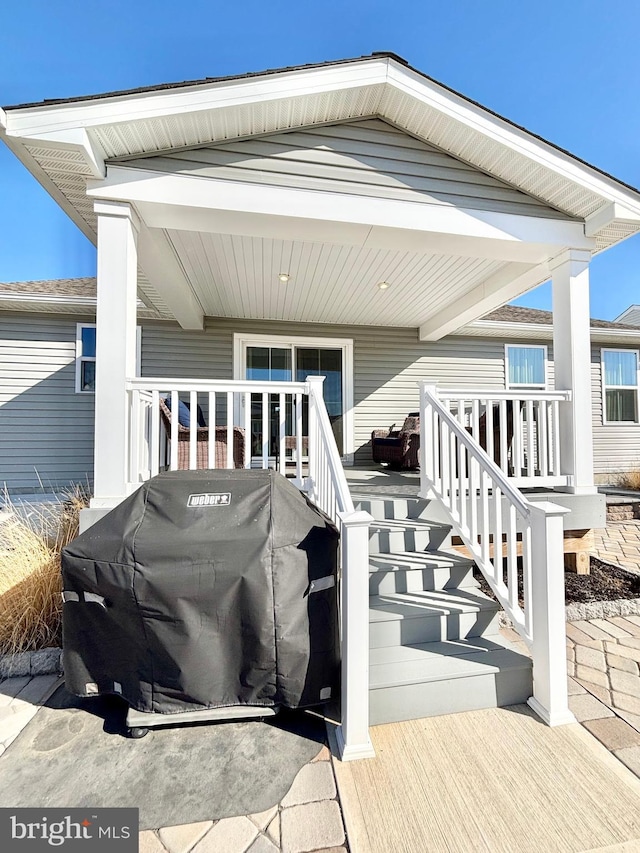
(619, 386)
(85, 358)
(525, 366)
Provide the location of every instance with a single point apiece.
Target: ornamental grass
(31, 541)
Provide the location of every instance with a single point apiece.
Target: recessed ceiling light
(284, 276)
(383, 285)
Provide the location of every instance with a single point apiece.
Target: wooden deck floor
(494, 781)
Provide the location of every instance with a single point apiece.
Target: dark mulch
(605, 583)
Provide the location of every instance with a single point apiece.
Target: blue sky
(568, 71)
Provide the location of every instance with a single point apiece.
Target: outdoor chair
(398, 448)
(202, 444)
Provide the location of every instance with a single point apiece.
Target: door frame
(241, 340)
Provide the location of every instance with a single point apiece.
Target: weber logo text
(209, 499)
(114, 830)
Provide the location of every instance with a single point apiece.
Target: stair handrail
(328, 488)
(456, 470)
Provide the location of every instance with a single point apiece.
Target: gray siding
(616, 447)
(368, 157)
(46, 429)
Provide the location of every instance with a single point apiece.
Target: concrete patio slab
(494, 781)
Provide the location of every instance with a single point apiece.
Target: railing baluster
(248, 443)
(489, 427)
(531, 448)
(298, 415)
(229, 429)
(504, 444)
(453, 480)
(475, 420)
(444, 459)
(134, 445)
(484, 505)
(265, 429)
(497, 537)
(155, 434)
(556, 436)
(173, 465)
(281, 433)
(193, 430)
(518, 438)
(437, 450)
(512, 557)
(543, 449)
(527, 576)
(211, 448)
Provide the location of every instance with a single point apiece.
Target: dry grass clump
(629, 480)
(30, 582)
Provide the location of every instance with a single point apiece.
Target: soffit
(236, 276)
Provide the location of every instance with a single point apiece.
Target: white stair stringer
(435, 646)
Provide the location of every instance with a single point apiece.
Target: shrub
(31, 541)
(629, 480)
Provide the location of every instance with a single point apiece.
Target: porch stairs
(435, 646)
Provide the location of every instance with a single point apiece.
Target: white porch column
(118, 227)
(572, 362)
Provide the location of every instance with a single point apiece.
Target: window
(620, 385)
(85, 358)
(526, 366)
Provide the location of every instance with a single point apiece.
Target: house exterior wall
(367, 157)
(616, 446)
(46, 429)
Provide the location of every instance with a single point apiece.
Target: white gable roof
(65, 142)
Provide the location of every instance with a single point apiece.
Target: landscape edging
(43, 662)
(590, 610)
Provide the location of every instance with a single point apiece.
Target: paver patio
(418, 793)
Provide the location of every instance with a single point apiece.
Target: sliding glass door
(267, 362)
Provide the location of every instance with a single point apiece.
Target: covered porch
(350, 195)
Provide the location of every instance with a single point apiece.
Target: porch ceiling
(237, 276)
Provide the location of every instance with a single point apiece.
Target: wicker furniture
(398, 448)
(202, 444)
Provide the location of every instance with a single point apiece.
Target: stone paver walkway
(309, 818)
(604, 682)
(619, 543)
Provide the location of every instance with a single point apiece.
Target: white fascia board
(166, 275)
(75, 139)
(202, 96)
(499, 288)
(471, 115)
(607, 215)
(45, 299)
(145, 187)
(545, 330)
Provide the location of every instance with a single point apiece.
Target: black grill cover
(210, 589)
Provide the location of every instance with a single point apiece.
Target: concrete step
(393, 536)
(418, 571)
(383, 505)
(402, 619)
(428, 679)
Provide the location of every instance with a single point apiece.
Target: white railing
(517, 545)
(519, 430)
(260, 424)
